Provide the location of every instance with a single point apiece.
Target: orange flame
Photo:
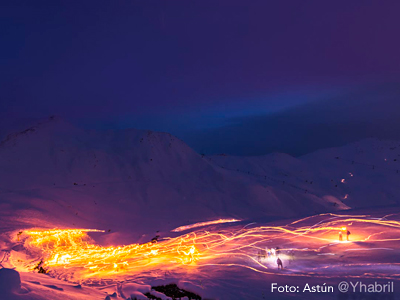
(72, 252)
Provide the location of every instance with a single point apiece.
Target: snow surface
(131, 181)
(361, 174)
(135, 184)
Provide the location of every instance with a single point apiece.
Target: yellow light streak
(72, 251)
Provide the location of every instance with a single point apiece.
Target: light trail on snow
(201, 224)
(73, 253)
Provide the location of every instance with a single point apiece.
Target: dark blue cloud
(185, 66)
(370, 112)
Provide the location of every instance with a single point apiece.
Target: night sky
(239, 77)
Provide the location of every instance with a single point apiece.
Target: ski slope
(136, 186)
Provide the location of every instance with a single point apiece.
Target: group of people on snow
(341, 234)
(274, 252)
(271, 252)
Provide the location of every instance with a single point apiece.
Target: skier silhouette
(347, 234)
(340, 236)
(279, 262)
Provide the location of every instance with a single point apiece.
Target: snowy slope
(369, 169)
(135, 183)
(371, 255)
(361, 174)
(128, 181)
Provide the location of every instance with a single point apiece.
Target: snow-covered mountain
(138, 181)
(361, 174)
(134, 183)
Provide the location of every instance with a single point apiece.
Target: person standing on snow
(268, 252)
(340, 236)
(347, 234)
(279, 262)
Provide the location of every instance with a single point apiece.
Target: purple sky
(193, 68)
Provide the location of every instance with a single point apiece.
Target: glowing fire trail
(72, 252)
(201, 224)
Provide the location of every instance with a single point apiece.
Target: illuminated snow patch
(200, 224)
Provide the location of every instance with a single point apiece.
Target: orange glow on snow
(72, 252)
(200, 224)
